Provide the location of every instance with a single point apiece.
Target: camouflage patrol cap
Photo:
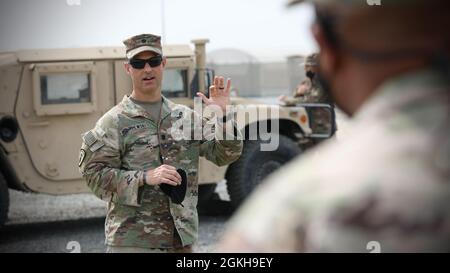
(312, 59)
(143, 42)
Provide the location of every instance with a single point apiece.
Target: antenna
(163, 22)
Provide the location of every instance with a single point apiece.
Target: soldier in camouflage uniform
(135, 148)
(316, 93)
(311, 91)
(386, 186)
(320, 118)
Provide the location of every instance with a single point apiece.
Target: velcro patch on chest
(177, 114)
(127, 129)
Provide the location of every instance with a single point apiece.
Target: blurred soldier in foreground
(386, 186)
(148, 176)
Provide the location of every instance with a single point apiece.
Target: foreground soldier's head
(363, 44)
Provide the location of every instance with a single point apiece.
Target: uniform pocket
(142, 151)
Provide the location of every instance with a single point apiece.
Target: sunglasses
(140, 64)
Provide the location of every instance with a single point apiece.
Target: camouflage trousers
(177, 248)
(126, 249)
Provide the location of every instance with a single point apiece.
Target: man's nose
(147, 67)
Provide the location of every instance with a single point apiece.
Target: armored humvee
(49, 97)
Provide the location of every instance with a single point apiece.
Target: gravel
(47, 223)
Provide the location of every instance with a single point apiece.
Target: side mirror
(9, 128)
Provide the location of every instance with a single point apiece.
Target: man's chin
(149, 89)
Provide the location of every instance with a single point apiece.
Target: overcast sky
(265, 28)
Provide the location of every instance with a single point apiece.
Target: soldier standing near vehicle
(315, 94)
(309, 90)
(132, 158)
(385, 187)
(320, 120)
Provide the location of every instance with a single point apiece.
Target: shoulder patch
(89, 138)
(92, 142)
(97, 145)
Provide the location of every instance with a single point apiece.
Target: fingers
(171, 174)
(204, 98)
(221, 84)
(227, 89)
(169, 167)
(213, 91)
(168, 181)
(216, 81)
(172, 178)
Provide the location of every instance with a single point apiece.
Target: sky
(265, 28)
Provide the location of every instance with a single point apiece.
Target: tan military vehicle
(49, 97)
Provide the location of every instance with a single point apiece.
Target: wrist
(143, 180)
(225, 118)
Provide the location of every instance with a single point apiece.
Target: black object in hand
(176, 193)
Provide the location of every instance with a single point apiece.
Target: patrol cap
(143, 42)
(176, 193)
(312, 59)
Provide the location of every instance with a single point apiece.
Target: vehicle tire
(4, 201)
(205, 192)
(254, 165)
(210, 203)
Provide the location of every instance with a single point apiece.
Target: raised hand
(219, 94)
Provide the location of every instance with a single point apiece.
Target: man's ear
(127, 67)
(164, 61)
(328, 56)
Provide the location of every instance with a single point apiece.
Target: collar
(134, 110)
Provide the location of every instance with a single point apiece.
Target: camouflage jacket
(315, 94)
(124, 143)
(384, 186)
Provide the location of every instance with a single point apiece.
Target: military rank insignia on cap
(141, 43)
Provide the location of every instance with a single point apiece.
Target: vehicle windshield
(174, 83)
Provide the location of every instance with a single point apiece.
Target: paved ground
(60, 236)
(45, 223)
